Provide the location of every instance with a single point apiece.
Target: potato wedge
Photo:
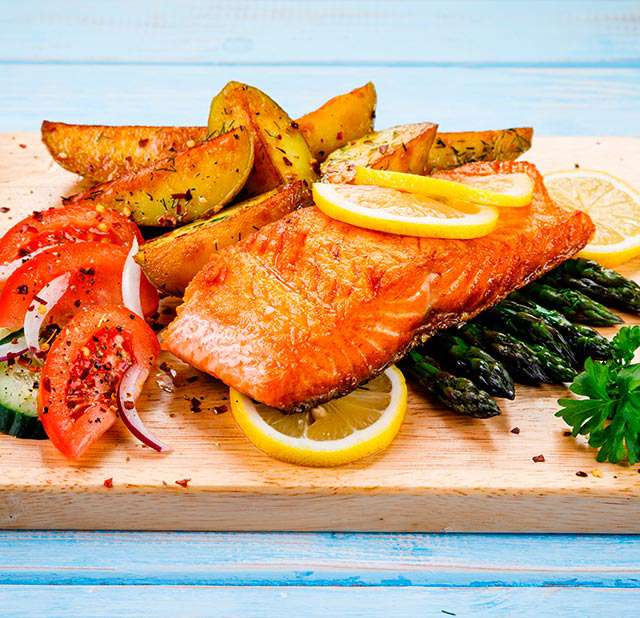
(404, 148)
(103, 153)
(340, 120)
(281, 152)
(194, 183)
(454, 149)
(172, 260)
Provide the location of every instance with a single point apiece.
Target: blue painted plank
(554, 101)
(323, 32)
(294, 559)
(158, 601)
(419, 37)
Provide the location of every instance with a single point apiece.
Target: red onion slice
(128, 391)
(14, 347)
(131, 277)
(43, 302)
(8, 268)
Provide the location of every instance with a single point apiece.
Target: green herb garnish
(610, 412)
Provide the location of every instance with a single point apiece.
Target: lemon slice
(506, 190)
(613, 206)
(337, 432)
(397, 212)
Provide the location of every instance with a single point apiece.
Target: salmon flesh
(307, 308)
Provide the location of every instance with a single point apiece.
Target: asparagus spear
(458, 394)
(599, 283)
(574, 305)
(584, 340)
(588, 269)
(518, 321)
(471, 362)
(554, 366)
(529, 363)
(518, 356)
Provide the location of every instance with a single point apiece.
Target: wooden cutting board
(443, 472)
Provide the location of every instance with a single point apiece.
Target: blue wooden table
(567, 68)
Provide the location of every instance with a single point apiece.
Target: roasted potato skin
(193, 183)
(404, 148)
(451, 150)
(172, 260)
(340, 120)
(281, 152)
(102, 153)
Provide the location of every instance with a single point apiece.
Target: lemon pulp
(337, 432)
(613, 206)
(398, 212)
(503, 190)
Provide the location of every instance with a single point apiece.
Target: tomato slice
(57, 226)
(96, 279)
(77, 399)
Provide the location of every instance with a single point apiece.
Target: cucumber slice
(18, 408)
(21, 425)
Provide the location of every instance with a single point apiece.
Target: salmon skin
(308, 307)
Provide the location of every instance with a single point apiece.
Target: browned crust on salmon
(311, 270)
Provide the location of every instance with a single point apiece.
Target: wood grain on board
(442, 473)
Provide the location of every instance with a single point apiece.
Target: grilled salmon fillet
(308, 307)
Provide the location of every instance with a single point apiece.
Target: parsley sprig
(610, 412)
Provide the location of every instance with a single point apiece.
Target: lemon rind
(440, 187)
(469, 226)
(610, 255)
(326, 453)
